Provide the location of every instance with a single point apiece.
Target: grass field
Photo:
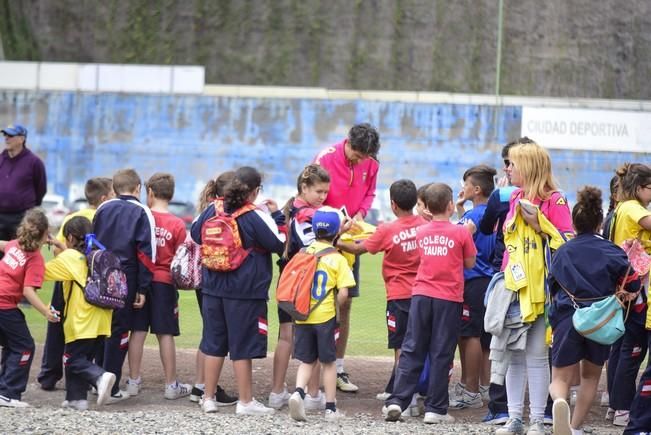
(368, 329)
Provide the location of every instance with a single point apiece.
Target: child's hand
(140, 301)
(53, 316)
(272, 205)
(461, 199)
(346, 225)
(502, 182)
(471, 226)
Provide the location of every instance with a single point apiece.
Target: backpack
(106, 286)
(294, 292)
(221, 244)
(186, 266)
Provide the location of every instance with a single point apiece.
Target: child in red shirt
(435, 313)
(160, 315)
(397, 240)
(21, 273)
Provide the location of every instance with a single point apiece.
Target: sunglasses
(507, 162)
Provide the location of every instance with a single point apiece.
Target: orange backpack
(221, 244)
(294, 292)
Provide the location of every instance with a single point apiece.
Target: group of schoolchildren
(439, 277)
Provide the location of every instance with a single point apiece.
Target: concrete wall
(80, 135)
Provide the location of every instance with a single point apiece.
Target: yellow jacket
(526, 270)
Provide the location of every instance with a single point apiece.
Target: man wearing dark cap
(22, 180)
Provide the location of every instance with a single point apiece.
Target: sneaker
(317, 403)
(278, 400)
(173, 392)
(412, 411)
(48, 386)
(513, 426)
(392, 412)
(223, 398)
(297, 407)
(484, 391)
(467, 400)
(457, 391)
(383, 396)
(344, 384)
(434, 418)
(496, 418)
(252, 408)
(208, 405)
(117, 397)
(548, 420)
(79, 405)
(536, 428)
(196, 394)
(104, 385)
(605, 399)
(133, 387)
(620, 418)
(610, 414)
(12, 403)
(333, 416)
(561, 413)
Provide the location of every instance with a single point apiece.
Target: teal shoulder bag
(603, 320)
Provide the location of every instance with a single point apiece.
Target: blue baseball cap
(15, 130)
(326, 222)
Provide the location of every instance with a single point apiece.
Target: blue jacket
(588, 266)
(253, 278)
(126, 228)
(497, 208)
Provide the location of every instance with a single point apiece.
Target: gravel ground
(150, 413)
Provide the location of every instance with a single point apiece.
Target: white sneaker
(297, 407)
(383, 396)
(456, 392)
(79, 405)
(252, 408)
(434, 418)
(12, 403)
(610, 414)
(317, 403)
(208, 405)
(104, 385)
(344, 383)
(278, 400)
(178, 390)
(392, 412)
(333, 416)
(605, 399)
(133, 387)
(621, 418)
(467, 400)
(484, 391)
(561, 416)
(117, 397)
(536, 427)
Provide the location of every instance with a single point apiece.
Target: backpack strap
(322, 253)
(244, 209)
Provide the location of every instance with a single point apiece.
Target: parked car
(55, 209)
(184, 210)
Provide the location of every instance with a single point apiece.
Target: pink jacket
(352, 186)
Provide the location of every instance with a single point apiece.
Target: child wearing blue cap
(316, 338)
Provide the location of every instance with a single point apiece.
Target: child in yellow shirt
(84, 325)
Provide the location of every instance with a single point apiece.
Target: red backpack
(294, 292)
(221, 244)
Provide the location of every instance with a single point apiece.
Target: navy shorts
(472, 317)
(316, 341)
(397, 318)
(283, 317)
(160, 314)
(569, 347)
(234, 326)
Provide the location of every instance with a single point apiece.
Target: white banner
(590, 130)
